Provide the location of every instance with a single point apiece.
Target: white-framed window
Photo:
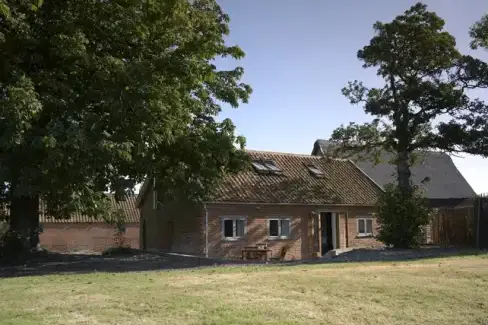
(233, 228)
(279, 228)
(365, 227)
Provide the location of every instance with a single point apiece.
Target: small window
(233, 228)
(279, 228)
(365, 227)
(315, 171)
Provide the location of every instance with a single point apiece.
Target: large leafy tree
(417, 60)
(415, 57)
(95, 95)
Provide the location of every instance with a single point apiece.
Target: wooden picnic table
(255, 253)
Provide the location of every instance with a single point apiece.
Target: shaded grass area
(436, 291)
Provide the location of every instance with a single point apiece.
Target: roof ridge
(430, 151)
(280, 153)
(293, 154)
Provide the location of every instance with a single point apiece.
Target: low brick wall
(96, 237)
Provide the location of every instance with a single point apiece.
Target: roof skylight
(259, 166)
(266, 167)
(271, 165)
(314, 170)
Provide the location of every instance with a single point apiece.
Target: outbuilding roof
(442, 179)
(128, 208)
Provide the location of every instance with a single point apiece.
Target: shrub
(401, 216)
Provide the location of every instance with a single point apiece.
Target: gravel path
(87, 263)
(383, 254)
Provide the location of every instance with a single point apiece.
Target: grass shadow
(53, 263)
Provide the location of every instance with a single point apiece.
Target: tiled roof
(343, 183)
(128, 207)
(445, 180)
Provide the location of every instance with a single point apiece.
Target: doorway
(326, 232)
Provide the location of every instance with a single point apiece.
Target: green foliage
(415, 58)
(468, 129)
(95, 95)
(419, 64)
(401, 215)
(479, 33)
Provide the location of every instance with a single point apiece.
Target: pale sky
(299, 54)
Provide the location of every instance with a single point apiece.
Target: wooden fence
(481, 220)
(463, 225)
(453, 226)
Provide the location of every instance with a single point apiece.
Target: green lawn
(444, 291)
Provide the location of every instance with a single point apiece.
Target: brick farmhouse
(302, 206)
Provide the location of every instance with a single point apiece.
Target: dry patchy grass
(443, 291)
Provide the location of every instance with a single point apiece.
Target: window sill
(279, 238)
(365, 236)
(231, 239)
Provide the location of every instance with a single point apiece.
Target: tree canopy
(468, 130)
(95, 95)
(416, 59)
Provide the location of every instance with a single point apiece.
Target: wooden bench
(255, 253)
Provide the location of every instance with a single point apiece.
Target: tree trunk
(24, 224)
(403, 171)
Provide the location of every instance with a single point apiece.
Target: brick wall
(188, 228)
(354, 239)
(180, 228)
(91, 237)
(172, 227)
(301, 243)
(348, 228)
(257, 230)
